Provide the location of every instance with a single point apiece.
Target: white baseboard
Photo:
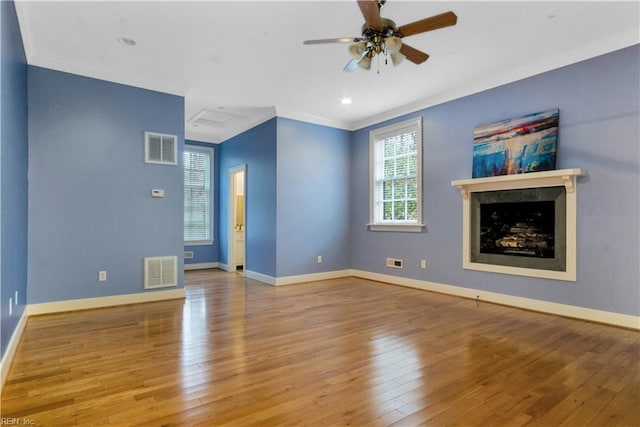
(100, 302)
(294, 280)
(269, 280)
(582, 313)
(201, 265)
(226, 267)
(313, 277)
(10, 352)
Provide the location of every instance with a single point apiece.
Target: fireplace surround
(521, 224)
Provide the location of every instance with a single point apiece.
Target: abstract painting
(513, 146)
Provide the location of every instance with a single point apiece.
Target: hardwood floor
(339, 352)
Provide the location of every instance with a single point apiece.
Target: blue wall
(13, 172)
(599, 131)
(313, 206)
(208, 253)
(255, 148)
(90, 204)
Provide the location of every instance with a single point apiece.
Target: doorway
(236, 246)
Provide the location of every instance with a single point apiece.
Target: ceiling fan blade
(336, 40)
(428, 24)
(352, 65)
(414, 55)
(371, 13)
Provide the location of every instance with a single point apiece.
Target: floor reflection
(397, 368)
(213, 331)
(193, 340)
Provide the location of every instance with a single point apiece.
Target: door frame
(231, 230)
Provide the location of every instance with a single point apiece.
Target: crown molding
(509, 76)
(310, 118)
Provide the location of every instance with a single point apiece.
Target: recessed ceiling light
(127, 41)
(346, 101)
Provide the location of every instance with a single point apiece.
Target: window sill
(403, 228)
(199, 243)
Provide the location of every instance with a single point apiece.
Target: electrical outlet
(102, 276)
(10, 306)
(319, 259)
(423, 264)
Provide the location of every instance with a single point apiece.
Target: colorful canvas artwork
(520, 145)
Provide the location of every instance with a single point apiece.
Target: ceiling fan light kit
(381, 36)
(397, 58)
(365, 63)
(393, 44)
(357, 50)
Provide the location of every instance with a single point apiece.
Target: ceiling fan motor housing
(375, 38)
(388, 28)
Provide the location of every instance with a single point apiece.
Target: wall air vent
(160, 272)
(160, 148)
(188, 254)
(394, 263)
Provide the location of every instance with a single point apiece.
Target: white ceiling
(238, 63)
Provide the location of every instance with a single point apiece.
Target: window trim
(189, 147)
(375, 136)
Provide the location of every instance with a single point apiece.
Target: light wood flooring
(339, 352)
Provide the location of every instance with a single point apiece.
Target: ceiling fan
(381, 36)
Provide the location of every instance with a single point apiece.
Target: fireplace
(519, 228)
(521, 224)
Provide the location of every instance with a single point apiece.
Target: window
(198, 200)
(160, 148)
(396, 177)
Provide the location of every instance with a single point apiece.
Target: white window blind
(396, 176)
(198, 201)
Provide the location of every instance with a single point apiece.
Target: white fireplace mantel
(555, 178)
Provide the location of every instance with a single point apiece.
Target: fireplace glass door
(520, 228)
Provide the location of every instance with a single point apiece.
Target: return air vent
(160, 272)
(160, 148)
(188, 254)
